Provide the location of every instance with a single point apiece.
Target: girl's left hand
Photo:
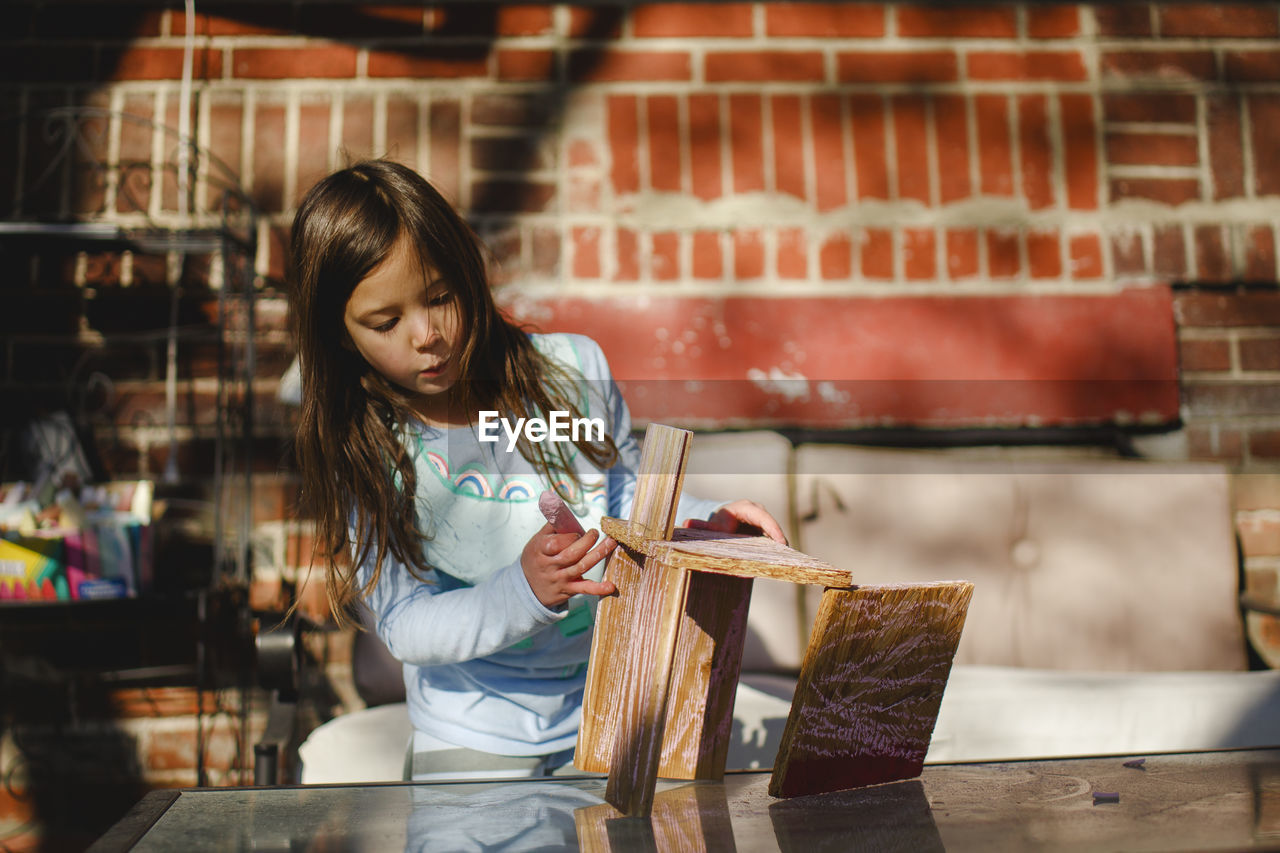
(554, 564)
(731, 517)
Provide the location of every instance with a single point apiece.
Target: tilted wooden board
(730, 554)
(870, 686)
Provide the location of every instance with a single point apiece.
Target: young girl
(401, 349)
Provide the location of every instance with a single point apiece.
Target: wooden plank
(704, 682)
(735, 554)
(645, 666)
(653, 509)
(870, 686)
(605, 689)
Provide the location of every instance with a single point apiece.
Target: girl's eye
(387, 326)
(440, 298)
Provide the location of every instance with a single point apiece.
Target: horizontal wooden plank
(730, 554)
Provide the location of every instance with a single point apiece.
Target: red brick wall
(777, 149)
(734, 143)
(688, 153)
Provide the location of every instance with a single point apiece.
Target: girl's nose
(424, 329)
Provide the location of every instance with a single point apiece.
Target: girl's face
(403, 319)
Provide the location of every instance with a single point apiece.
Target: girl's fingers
(604, 550)
(574, 547)
(586, 587)
(573, 573)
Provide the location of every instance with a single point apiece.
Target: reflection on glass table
(1227, 800)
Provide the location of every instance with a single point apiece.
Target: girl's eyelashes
(440, 297)
(386, 327)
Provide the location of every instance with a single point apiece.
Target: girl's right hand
(554, 564)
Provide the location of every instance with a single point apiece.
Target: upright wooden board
(659, 480)
(704, 680)
(605, 690)
(612, 680)
(870, 686)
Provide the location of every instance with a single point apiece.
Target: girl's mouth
(436, 370)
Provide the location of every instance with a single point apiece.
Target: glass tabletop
(1226, 800)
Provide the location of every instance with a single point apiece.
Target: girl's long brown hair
(356, 475)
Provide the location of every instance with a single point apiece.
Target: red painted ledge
(851, 362)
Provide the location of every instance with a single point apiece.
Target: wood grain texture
(604, 688)
(870, 686)
(730, 554)
(659, 480)
(704, 680)
(645, 665)
(653, 509)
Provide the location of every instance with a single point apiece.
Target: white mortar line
(890, 146)
(975, 158)
(203, 133)
(933, 142)
(767, 142)
(155, 197)
(643, 169)
(1151, 128)
(1189, 250)
(111, 192)
(1248, 161)
(684, 152)
(1236, 250)
(248, 124)
(292, 117)
(847, 147)
(1022, 230)
(1127, 170)
(1275, 249)
(1058, 181)
(1202, 143)
(809, 155)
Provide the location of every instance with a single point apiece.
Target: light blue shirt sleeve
(423, 625)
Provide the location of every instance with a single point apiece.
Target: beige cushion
(1087, 564)
(754, 466)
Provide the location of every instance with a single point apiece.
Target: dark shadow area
(60, 667)
(889, 817)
